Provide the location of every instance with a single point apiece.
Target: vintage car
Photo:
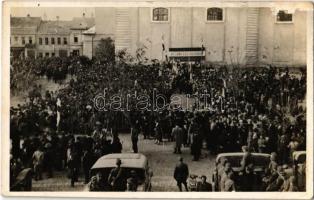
(299, 162)
(260, 162)
(129, 162)
(297, 169)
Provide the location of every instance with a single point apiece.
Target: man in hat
(181, 173)
(49, 159)
(97, 133)
(204, 186)
(134, 136)
(178, 135)
(196, 140)
(132, 182)
(88, 160)
(97, 183)
(73, 162)
(117, 178)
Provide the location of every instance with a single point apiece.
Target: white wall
(282, 43)
(224, 41)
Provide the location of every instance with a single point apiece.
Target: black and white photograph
(206, 98)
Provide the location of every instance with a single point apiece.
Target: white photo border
(5, 104)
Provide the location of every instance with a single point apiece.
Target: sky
(52, 13)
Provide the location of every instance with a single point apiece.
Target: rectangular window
(40, 41)
(30, 40)
(52, 40)
(16, 39)
(75, 53)
(160, 14)
(63, 53)
(23, 40)
(47, 54)
(59, 40)
(46, 41)
(40, 54)
(52, 54)
(214, 14)
(65, 41)
(75, 39)
(284, 16)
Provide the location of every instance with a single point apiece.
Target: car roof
(240, 154)
(128, 160)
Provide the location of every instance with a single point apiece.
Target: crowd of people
(255, 107)
(24, 72)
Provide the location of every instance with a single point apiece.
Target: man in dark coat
(132, 182)
(181, 173)
(196, 140)
(116, 145)
(88, 161)
(178, 134)
(73, 162)
(98, 183)
(117, 178)
(204, 186)
(134, 136)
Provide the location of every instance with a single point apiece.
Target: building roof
(20, 22)
(82, 23)
(33, 25)
(90, 31)
(24, 25)
(55, 27)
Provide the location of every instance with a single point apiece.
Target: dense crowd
(24, 72)
(254, 107)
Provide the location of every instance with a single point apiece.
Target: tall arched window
(214, 14)
(160, 14)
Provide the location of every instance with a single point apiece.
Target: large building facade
(239, 35)
(34, 37)
(23, 36)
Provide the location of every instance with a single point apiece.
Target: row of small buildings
(34, 37)
(233, 35)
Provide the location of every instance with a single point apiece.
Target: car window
(106, 172)
(301, 159)
(258, 161)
